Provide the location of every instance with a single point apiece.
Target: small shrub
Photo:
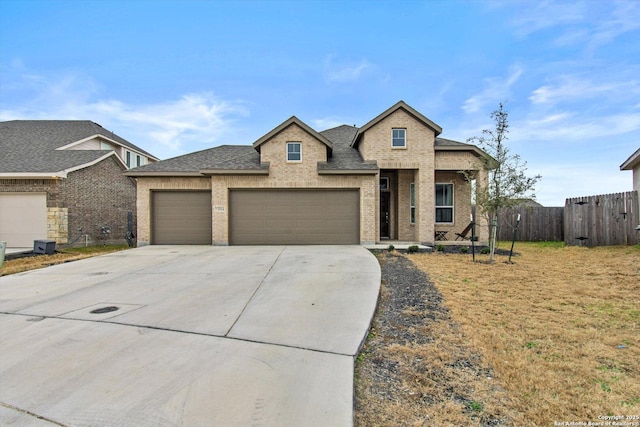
(391, 248)
(464, 250)
(440, 248)
(485, 251)
(475, 406)
(413, 249)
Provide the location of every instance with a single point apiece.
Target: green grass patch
(94, 249)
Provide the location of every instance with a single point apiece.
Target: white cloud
(625, 17)
(573, 88)
(165, 129)
(571, 127)
(540, 15)
(345, 72)
(496, 90)
(590, 24)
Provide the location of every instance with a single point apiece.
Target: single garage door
(23, 218)
(294, 217)
(181, 218)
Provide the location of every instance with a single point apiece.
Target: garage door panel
(23, 218)
(327, 216)
(181, 218)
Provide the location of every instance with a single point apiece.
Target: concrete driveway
(202, 336)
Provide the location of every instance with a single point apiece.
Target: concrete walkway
(202, 336)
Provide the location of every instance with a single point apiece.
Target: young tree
(507, 179)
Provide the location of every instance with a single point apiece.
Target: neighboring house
(62, 180)
(633, 164)
(391, 179)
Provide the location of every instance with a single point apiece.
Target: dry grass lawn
(39, 261)
(559, 327)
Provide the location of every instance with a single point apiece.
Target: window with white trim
(444, 203)
(412, 203)
(294, 151)
(127, 155)
(398, 138)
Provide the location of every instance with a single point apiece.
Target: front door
(385, 205)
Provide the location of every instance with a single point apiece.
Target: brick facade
(418, 163)
(98, 196)
(418, 154)
(282, 174)
(83, 202)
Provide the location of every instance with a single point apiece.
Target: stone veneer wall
(58, 225)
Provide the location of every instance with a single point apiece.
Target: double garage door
(260, 217)
(294, 217)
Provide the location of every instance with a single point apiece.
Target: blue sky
(179, 76)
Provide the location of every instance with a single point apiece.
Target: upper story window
(398, 138)
(133, 160)
(294, 151)
(444, 203)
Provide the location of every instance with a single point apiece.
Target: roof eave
(162, 173)
(62, 173)
(348, 171)
(106, 138)
(631, 162)
(235, 172)
(33, 175)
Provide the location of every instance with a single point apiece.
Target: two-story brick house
(391, 179)
(62, 180)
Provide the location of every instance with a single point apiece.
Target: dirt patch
(416, 367)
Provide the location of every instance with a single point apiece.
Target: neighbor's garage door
(294, 217)
(23, 218)
(181, 218)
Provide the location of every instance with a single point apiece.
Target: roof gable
(38, 146)
(60, 134)
(293, 120)
(400, 105)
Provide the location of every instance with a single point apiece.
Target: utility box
(47, 247)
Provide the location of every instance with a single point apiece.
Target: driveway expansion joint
(255, 291)
(179, 331)
(31, 414)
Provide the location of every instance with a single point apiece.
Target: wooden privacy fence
(537, 224)
(608, 219)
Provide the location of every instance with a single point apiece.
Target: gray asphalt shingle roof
(226, 157)
(344, 157)
(31, 145)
